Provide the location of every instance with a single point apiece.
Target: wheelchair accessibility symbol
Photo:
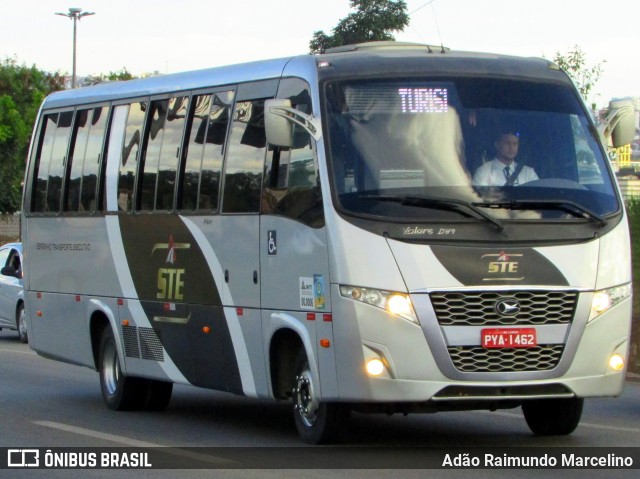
(272, 246)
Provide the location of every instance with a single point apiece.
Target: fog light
(375, 367)
(616, 362)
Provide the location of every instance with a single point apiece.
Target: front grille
(476, 359)
(473, 308)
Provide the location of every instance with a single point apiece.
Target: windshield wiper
(569, 206)
(442, 203)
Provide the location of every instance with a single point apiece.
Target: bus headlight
(605, 299)
(398, 304)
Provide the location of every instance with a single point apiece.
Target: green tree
(575, 64)
(14, 134)
(372, 20)
(122, 74)
(22, 90)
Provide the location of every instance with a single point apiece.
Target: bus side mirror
(620, 122)
(279, 118)
(9, 271)
(278, 128)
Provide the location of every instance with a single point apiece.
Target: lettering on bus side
(170, 283)
(170, 279)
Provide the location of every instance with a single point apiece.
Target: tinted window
(130, 147)
(243, 170)
(51, 162)
(170, 154)
(58, 161)
(43, 159)
(201, 179)
(90, 126)
(292, 187)
(166, 124)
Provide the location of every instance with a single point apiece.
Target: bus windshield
(422, 149)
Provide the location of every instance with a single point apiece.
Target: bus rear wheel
(120, 392)
(317, 422)
(553, 417)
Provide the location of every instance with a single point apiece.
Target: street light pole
(74, 14)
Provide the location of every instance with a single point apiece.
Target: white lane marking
(133, 442)
(19, 352)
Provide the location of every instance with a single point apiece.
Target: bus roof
(183, 81)
(374, 58)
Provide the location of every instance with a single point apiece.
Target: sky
(168, 36)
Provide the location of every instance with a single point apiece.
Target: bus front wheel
(120, 392)
(317, 422)
(553, 417)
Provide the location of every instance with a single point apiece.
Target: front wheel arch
(283, 351)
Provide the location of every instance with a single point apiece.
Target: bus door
(293, 240)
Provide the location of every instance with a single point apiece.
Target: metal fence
(9, 227)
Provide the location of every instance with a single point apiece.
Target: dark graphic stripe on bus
(180, 298)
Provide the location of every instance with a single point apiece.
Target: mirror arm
(309, 122)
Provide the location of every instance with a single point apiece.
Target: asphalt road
(47, 404)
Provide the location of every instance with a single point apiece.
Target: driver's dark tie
(507, 173)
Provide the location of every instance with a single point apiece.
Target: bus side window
(292, 185)
(85, 159)
(128, 159)
(92, 160)
(245, 159)
(214, 149)
(205, 151)
(162, 152)
(76, 160)
(58, 161)
(42, 160)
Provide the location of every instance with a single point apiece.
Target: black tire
(158, 395)
(317, 422)
(120, 392)
(553, 417)
(21, 324)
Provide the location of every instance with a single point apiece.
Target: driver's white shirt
(492, 174)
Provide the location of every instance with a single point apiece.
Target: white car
(11, 291)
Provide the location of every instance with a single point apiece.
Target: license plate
(509, 338)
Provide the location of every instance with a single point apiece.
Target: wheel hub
(110, 370)
(304, 397)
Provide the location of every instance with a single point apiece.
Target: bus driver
(503, 170)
